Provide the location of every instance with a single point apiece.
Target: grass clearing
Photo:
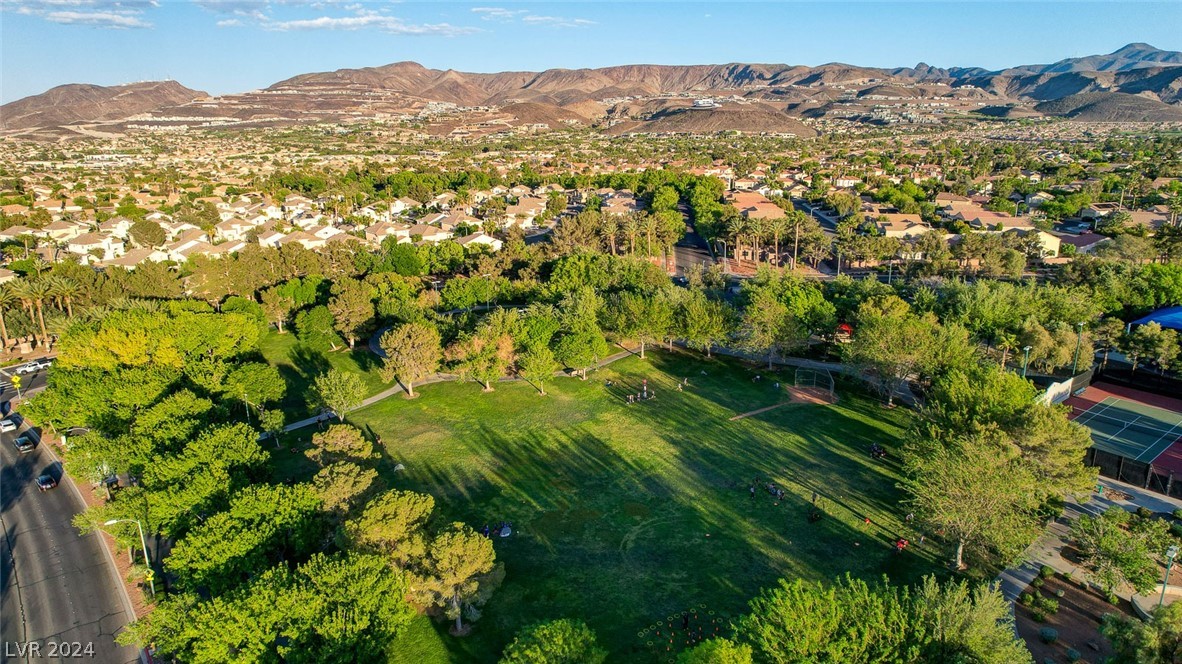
(628, 514)
(299, 366)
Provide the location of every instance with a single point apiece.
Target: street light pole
(1171, 554)
(1025, 359)
(1078, 345)
(144, 543)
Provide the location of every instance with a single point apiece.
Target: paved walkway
(1047, 549)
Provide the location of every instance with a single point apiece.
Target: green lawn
(300, 365)
(624, 515)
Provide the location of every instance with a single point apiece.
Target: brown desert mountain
(69, 104)
(1138, 83)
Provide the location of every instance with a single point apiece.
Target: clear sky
(223, 46)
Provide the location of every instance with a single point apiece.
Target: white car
(8, 424)
(34, 366)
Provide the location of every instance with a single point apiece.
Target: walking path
(1047, 549)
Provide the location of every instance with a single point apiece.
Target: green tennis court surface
(1132, 430)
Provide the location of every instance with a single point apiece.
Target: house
(1084, 243)
(117, 226)
(753, 205)
(134, 257)
(60, 231)
(105, 247)
(400, 205)
(524, 211)
(269, 238)
(1037, 199)
(1098, 210)
(480, 239)
(429, 233)
(6, 275)
(324, 232)
(900, 225)
(303, 238)
(621, 205)
(382, 230)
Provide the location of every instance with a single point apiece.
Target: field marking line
(1154, 444)
(1095, 410)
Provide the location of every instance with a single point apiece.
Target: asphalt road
(57, 586)
(692, 249)
(30, 383)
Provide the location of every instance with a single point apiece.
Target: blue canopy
(1170, 317)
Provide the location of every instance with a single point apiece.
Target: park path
(442, 378)
(1047, 549)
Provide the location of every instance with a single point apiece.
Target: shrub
(1073, 655)
(1178, 514)
(1046, 571)
(1144, 512)
(1048, 635)
(1113, 598)
(1027, 599)
(1037, 615)
(1060, 593)
(1048, 604)
(1037, 582)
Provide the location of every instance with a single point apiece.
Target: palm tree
(39, 291)
(7, 299)
(631, 228)
(648, 223)
(31, 295)
(609, 228)
(64, 290)
(738, 227)
(777, 226)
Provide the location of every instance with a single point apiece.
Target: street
(57, 586)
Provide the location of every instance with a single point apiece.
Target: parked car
(46, 482)
(34, 366)
(8, 424)
(24, 444)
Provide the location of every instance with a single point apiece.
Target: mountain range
(1135, 83)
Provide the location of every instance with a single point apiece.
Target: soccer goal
(818, 381)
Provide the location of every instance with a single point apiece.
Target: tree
(537, 365)
(1108, 334)
(256, 383)
(148, 233)
(1154, 641)
(341, 485)
(890, 343)
(341, 608)
(412, 351)
(976, 490)
(565, 641)
(852, 621)
(339, 391)
(263, 525)
(768, 328)
(351, 307)
(702, 322)
(456, 560)
(485, 355)
(393, 524)
(581, 347)
(645, 318)
(1118, 548)
(278, 304)
(340, 442)
(1153, 342)
(716, 651)
(315, 328)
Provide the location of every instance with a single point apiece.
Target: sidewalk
(1046, 550)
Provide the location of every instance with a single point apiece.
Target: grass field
(625, 514)
(300, 365)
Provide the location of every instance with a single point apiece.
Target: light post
(1078, 345)
(1025, 359)
(725, 266)
(144, 542)
(1171, 554)
(488, 292)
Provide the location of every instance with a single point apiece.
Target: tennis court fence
(1137, 473)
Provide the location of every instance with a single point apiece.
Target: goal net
(818, 379)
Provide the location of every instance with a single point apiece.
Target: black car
(24, 444)
(46, 482)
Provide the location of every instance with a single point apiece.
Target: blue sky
(223, 46)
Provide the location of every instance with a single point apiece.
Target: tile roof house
(480, 238)
(109, 246)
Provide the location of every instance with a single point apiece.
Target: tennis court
(1131, 429)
